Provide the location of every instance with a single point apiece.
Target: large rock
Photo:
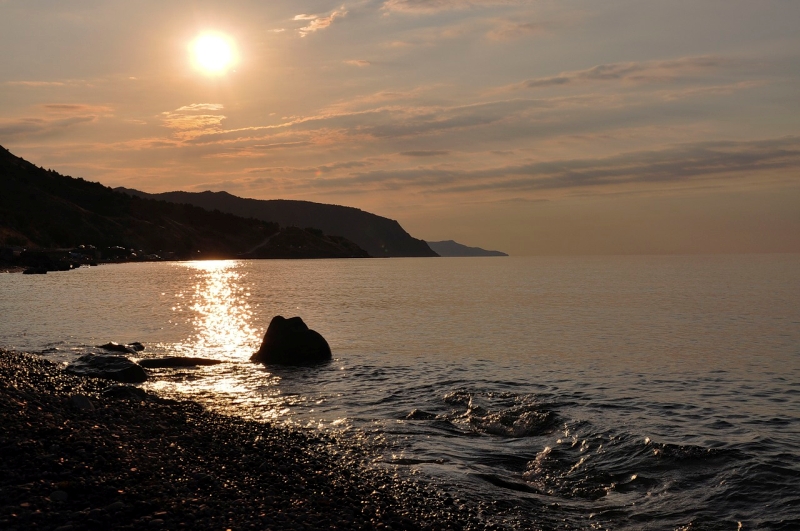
(118, 368)
(291, 342)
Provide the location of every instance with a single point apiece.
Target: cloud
(397, 121)
(682, 163)
(53, 119)
(35, 83)
(316, 170)
(46, 84)
(434, 6)
(25, 127)
(649, 71)
(380, 98)
(197, 123)
(383, 117)
(327, 168)
(713, 90)
(279, 145)
(431, 153)
(695, 163)
(413, 122)
(201, 107)
(76, 108)
(258, 150)
(188, 125)
(270, 170)
(384, 122)
(513, 30)
(316, 22)
(358, 62)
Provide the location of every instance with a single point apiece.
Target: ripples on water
(619, 393)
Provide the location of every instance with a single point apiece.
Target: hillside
(451, 248)
(42, 209)
(379, 236)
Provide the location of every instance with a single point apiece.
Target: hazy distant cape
(379, 236)
(451, 248)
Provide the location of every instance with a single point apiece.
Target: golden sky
(533, 127)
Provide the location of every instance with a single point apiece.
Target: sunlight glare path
(220, 312)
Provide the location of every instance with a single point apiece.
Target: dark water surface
(591, 393)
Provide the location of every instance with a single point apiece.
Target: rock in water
(176, 361)
(116, 347)
(117, 368)
(291, 342)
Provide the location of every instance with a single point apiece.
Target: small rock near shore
(59, 496)
(124, 392)
(117, 368)
(81, 402)
(131, 348)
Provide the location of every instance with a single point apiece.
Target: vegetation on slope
(40, 208)
(379, 236)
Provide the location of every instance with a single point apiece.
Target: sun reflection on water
(217, 306)
(219, 310)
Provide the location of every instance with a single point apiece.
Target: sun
(213, 53)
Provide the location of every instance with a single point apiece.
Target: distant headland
(451, 248)
(379, 236)
(49, 221)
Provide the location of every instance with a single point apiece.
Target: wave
(591, 475)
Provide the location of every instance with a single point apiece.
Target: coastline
(137, 460)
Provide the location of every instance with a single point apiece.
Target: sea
(609, 392)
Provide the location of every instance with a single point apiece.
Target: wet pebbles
(76, 455)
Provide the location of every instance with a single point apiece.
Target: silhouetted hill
(379, 236)
(40, 208)
(451, 248)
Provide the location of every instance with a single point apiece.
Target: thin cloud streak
(396, 121)
(682, 163)
(431, 153)
(316, 22)
(201, 107)
(640, 72)
(26, 127)
(435, 6)
(35, 84)
(696, 165)
(514, 30)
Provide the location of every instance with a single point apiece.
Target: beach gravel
(74, 457)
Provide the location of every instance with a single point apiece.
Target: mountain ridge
(378, 235)
(46, 210)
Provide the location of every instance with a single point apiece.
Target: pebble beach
(83, 453)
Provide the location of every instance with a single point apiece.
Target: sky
(534, 127)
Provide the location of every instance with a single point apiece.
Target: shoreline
(20, 269)
(84, 459)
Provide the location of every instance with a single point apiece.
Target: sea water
(658, 392)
